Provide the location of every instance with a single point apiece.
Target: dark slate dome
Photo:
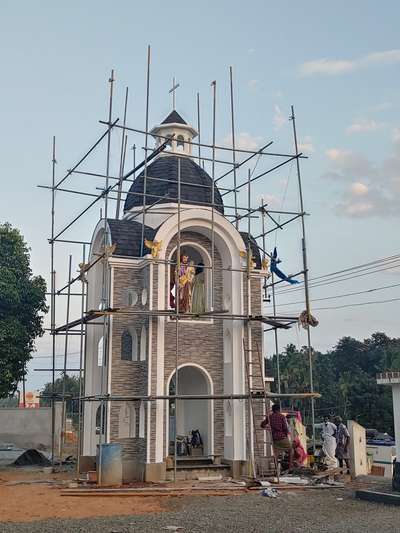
(195, 184)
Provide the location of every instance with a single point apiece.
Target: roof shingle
(127, 235)
(174, 118)
(196, 184)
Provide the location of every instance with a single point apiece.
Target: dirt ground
(30, 501)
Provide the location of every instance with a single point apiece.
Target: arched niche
(129, 345)
(127, 421)
(195, 256)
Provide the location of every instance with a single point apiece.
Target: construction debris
(294, 480)
(270, 493)
(32, 458)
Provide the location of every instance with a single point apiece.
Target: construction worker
(276, 421)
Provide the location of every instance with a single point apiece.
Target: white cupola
(180, 132)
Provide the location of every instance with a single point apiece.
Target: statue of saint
(198, 292)
(186, 275)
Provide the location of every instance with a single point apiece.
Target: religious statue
(198, 291)
(154, 247)
(185, 273)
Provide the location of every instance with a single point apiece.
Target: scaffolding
(234, 161)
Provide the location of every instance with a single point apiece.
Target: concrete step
(194, 460)
(190, 466)
(194, 472)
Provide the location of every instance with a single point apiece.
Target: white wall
(29, 428)
(358, 449)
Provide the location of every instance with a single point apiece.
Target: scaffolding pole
(198, 127)
(122, 156)
(177, 316)
(81, 362)
(64, 407)
(91, 149)
(305, 269)
(214, 105)
(146, 145)
(171, 397)
(52, 304)
(233, 143)
(217, 147)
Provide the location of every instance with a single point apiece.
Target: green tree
(345, 377)
(22, 305)
(71, 391)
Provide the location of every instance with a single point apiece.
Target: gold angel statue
(154, 247)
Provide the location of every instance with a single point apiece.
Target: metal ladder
(263, 461)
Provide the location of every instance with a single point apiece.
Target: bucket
(109, 464)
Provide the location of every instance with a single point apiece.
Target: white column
(396, 416)
(235, 443)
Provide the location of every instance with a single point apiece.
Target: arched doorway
(191, 414)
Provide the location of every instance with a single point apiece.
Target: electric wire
(359, 304)
(388, 265)
(361, 267)
(40, 356)
(344, 295)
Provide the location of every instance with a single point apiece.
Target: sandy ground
(38, 501)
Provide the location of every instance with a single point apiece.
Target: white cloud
(387, 56)
(326, 66)
(251, 50)
(333, 67)
(243, 141)
(364, 126)
(356, 209)
(271, 200)
(350, 163)
(396, 135)
(367, 189)
(359, 189)
(253, 84)
(279, 119)
(383, 106)
(306, 145)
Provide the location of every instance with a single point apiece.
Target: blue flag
(278, 272)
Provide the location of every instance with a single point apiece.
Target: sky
(337, 63)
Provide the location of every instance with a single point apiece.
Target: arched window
(127, 421)
(142, 414)
(129, 345)
(126, 346)
(180, 142)
(144, 296)
(143, 344)
(131, 297)
(100, 419)
(100, 352)
(228, 418)
(169, 143)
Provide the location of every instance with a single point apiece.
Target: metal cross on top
(174, 87)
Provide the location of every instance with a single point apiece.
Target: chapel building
(142, 349)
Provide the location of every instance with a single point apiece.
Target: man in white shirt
(329, 442)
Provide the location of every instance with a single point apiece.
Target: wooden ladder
(263, 461)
